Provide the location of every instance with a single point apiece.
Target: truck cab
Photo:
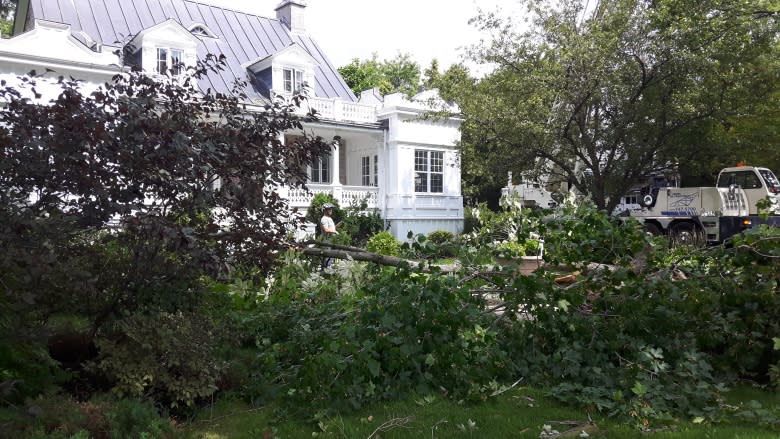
(758, 184)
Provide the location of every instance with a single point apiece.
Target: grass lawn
(519, 413)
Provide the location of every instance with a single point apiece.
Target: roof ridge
(200, 2)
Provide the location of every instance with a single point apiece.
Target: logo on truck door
(678, 199)
(680, 204)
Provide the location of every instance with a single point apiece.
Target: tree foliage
(601, 97)
(126, 199)
(398, 75)
(7, 10)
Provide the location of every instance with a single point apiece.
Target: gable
(293, 56)
(166, 33)
(55, 42)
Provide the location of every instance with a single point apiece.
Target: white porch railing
(339, 110)
(354, 195)
(345, 195)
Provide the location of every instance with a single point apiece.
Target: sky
(426, 29)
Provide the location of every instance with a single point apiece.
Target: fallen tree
(338, 251)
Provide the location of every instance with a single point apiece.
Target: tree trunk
(358, 254)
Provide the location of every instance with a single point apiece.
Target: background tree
(7, 10)
(398, 75)
(431, 75)
(601, 98)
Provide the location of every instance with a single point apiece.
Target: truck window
(771, 181)
(744, 179)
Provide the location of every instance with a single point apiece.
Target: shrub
(360, 224)
(54, 415)
(532, 247)
(383, 243)
(471, 219)
(131, 418)
(402, 332)
(168, 356)
(583, 233)
(510, 250)
(439, 237)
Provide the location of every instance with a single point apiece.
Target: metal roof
(241, 37)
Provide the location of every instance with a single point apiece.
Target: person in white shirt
(328, 229)
(327, 225)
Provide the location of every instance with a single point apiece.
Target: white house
(405, 165)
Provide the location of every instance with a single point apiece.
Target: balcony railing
(339, 110)
(344, 195)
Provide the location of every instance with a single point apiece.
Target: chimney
(290, 12)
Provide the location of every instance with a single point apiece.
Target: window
(771, 181)
(429, 171)
(365, 170)
(631, 199)
(744, 179)
(202, 31)
(320, 170)
(169, 58)
(293, 80)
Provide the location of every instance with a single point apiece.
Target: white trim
(307, 61)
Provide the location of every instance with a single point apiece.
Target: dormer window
(169, 59)
(287, 72)
(293, 80)
(166, 48)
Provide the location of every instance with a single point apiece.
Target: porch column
(284, 191)
(335, 178)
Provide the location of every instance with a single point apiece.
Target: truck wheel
(653, 229)
(686, 234)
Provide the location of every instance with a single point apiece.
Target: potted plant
(527, 256)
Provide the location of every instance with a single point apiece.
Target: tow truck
(694, 215)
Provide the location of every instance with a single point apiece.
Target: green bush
(360, 224)
(532, 247)
(131, 418)
(439, 237)
(510, 250)
(383, 243)
(54, 415)
(168, 356)
(583, 233)
(357, 222)
(315, 210)
(648, 342)
(401, 332)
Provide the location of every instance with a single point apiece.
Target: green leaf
(639, 389)
(373, 367)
